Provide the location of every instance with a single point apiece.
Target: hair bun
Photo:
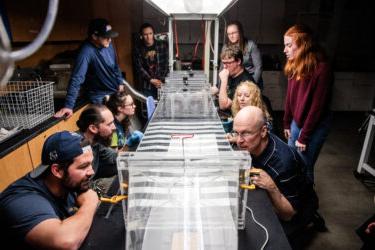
(105, 99)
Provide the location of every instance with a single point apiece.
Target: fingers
(301, 147)
(287, 133)
(156, 82)
(64, 112)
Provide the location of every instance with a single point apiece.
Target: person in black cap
(96, 68)
(52, 206)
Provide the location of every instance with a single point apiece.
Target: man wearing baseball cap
(96, 68)
(52, 206)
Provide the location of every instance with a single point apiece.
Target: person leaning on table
(282, 171)
(51, 207)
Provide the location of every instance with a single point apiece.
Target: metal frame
(366, 149)
(8, 57)
(208, 19)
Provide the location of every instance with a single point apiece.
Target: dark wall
(343, 27)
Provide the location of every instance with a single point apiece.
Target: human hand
(214, 90)
(156, 82)
(224, 75)
(287, 133)
(231, 138)
(300, 146)
(67, 112)
(263, 180)
(87, 197)
(370, 228)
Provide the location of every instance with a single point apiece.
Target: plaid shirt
(141, 66)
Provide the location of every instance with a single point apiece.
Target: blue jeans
(314, 145)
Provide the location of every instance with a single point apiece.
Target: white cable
(263, 227)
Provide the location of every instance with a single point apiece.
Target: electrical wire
(263, 227)
(176, 40)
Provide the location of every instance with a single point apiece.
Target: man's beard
(80, 187)
(102, 140)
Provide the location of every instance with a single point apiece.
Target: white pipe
(17, 55)
(170, 39)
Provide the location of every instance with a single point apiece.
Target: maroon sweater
(308, 100)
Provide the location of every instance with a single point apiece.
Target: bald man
(281, 170)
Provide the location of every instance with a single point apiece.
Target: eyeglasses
(130, 104)
(245, 134)
(228, 63)
(232, 33)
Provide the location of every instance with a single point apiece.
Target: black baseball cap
(102, 28)
(59, 148)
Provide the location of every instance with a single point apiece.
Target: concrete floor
(345, 201)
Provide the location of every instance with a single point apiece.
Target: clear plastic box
(183, 202)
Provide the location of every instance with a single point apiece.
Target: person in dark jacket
(96, 72)
(150, 60)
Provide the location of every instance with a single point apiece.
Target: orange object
(114, 199)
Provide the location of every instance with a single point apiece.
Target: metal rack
(25, 104)
(363, 164)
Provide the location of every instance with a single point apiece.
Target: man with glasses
(232, 74)
(282, 171)
(96, 68)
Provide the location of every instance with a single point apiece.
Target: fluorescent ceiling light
(191, 6)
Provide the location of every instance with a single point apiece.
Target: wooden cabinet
(27, 17)
(71, 123)
(14, 165)
(35, 145)
(28, 156)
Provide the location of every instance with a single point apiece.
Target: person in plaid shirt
(150, 61)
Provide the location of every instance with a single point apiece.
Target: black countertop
(15, 141)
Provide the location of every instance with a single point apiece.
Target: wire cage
(25, 104)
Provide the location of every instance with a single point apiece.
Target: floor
(345, 201)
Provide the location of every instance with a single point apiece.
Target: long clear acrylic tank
(183, 180)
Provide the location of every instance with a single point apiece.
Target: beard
(105, 141)
(80, 187)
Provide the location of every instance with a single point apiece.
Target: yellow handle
(250, 187)
(113, 199)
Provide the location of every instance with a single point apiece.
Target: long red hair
(308, 54)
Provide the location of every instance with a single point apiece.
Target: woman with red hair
(307, 105)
